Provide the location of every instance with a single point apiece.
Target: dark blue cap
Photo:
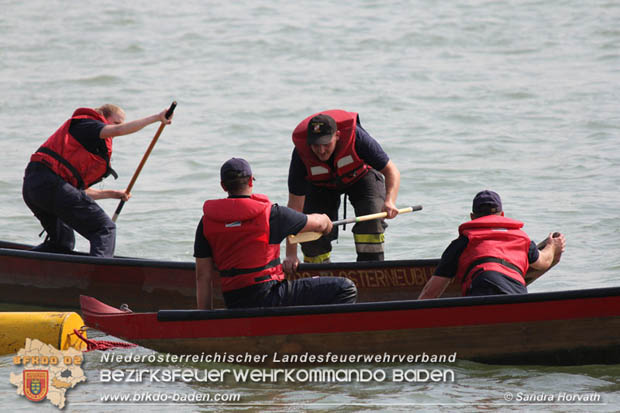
(486, 202)
(321, 128)
(235, 168)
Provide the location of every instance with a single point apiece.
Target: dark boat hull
(57, 280)
(566, 328)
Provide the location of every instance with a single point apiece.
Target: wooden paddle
(311, 236)
(144, 158)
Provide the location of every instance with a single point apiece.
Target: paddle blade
(304, 237)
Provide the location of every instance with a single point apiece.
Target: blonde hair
(109, 109)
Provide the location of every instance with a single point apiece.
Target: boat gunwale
(22, 250)
(198, 315)
(87, 259)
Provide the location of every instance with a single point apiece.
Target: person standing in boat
(333, 155)
(58, 179)
(240, 237)
(492, 254)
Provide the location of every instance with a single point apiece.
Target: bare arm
(434, 287)
(296, 202)
(392, 184)
(107, 194)
(551, 253)
(318, 223)
(204, 283)
(126, 128)
(291, 261)
(315, 223)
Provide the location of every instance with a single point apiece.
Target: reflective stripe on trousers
(369, 242)
(323, 258)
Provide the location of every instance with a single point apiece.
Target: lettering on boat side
(378, 278)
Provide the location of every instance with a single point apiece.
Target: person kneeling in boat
(492, 254)
(240, 237)
(58, 180)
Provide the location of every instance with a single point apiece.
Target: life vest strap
(112, 172)
(496, 260)
(66, 163)
(238, 271)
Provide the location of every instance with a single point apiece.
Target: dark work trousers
(367, 196)
(305, 291)
(487, 284)
(62, 208)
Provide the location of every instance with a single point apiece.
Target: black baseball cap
(486, 202)
(321, 128)
(235, 168)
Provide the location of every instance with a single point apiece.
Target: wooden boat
(567, 328)
(57, 280)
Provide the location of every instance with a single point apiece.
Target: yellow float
(48, 327)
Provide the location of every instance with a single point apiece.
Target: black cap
(321, 128)
(486, 202)
(235, 168)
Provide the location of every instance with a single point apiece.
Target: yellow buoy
(50, 328)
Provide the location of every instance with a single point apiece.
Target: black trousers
(495, 283)
(62, 208)
(305, 291)
(367, 196)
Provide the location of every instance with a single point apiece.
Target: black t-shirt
(449, 263)
(87, 132)
(283, 221)
(367, 148)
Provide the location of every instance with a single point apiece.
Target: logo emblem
(36, 384)
(317, 127)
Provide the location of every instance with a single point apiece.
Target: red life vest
(495, 243)
(349, 167)
(66, 156)
(238, 232)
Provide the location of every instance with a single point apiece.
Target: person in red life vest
(239, 237)
(492, 254)
(58, 179)
(333, 155)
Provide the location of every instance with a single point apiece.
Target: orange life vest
(70, 160)
(495, 243)
(237, 230)
(348, 167)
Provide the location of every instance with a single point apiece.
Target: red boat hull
(574, 327)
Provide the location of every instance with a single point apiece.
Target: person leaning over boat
(492, 254)
(240, 237)
(58, 179)
(333, 154)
